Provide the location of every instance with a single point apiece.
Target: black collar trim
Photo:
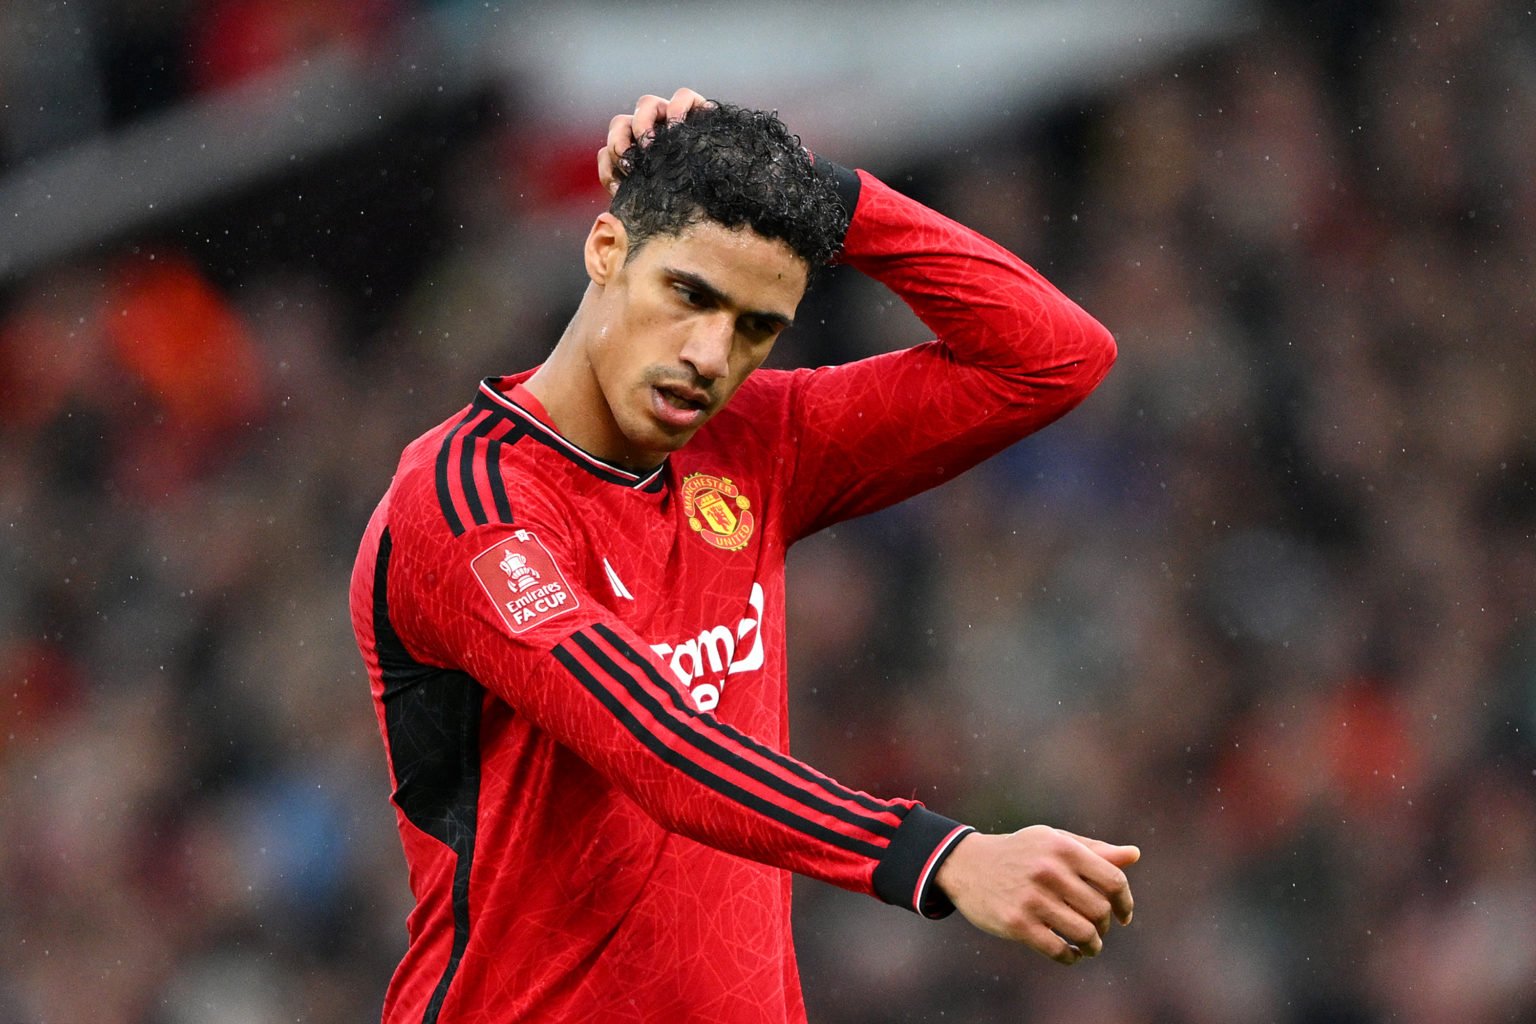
(490, 397)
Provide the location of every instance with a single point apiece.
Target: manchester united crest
(717, 511)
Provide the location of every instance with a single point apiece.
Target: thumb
(1119, 856)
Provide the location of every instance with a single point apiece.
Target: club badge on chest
(717, 510)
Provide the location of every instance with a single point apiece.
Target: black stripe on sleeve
(708, 746)
(444, 495)
(499, 497)
(830, 787)
(467, 470)
(700, 773)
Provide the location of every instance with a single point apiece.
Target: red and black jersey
(579, 671)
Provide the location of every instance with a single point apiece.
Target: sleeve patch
(520, 577)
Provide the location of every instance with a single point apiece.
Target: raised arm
(1012, 354)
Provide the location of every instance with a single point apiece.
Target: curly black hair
(736, 167)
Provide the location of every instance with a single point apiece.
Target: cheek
(647, 338)
(614, 350)
(745, 364)
(754, 356)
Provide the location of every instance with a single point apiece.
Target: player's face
(682, 322)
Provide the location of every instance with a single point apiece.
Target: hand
(626, 129)
(1049, 889)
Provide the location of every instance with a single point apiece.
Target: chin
(650, 443)
(651, 433)
(666, 444)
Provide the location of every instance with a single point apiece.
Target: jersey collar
(508, 396)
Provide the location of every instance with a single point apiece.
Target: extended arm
(565, 664)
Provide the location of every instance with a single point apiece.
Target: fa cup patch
(522, 581)
(717, 511)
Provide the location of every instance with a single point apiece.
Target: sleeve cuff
(845, 182)
(904, 876)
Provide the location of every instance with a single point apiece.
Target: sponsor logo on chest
(702, 663)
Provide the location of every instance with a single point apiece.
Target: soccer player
(571, 599)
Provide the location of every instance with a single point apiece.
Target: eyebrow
(703, 287)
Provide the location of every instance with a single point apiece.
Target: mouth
(677, 405)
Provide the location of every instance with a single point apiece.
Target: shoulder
(444, 525)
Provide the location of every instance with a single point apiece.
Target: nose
(708, 348)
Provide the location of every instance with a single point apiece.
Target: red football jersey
(579, 671)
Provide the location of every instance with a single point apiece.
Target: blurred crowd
(1265, 605)
(70, 70)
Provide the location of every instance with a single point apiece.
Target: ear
(607, 246)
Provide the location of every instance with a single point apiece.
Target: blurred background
(1263, 605)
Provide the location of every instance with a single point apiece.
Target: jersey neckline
(508, 396)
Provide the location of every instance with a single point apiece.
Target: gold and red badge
(717, 511)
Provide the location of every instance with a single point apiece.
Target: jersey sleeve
(1012, 354)
(506, 609)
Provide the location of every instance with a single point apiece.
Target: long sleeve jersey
(579, 671)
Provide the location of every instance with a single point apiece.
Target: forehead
(752, 270)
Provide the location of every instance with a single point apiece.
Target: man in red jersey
(571, 599)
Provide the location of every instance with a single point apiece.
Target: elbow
(1096, 353)
(1104, 348)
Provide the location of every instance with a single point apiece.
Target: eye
(759, 329)
(691, 296)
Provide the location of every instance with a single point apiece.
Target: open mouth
(681, 401)
(678, 407)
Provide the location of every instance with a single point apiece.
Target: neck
(565, 383)
(561, 383)
(568, 389)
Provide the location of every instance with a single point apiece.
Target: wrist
(920, 847)
(950, 876)
(844, 182)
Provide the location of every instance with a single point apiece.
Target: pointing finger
(1120, 856)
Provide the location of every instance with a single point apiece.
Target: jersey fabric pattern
(579, 671)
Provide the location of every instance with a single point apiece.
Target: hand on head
(626, 129)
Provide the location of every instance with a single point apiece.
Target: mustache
(657, 376)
